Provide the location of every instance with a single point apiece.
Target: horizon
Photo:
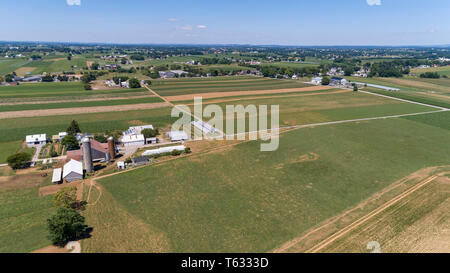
(286, 23)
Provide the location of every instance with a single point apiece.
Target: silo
(87, 155)
(111, 148)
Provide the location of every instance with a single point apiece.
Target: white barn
(73, 170)
(133, 140)
(35, 140)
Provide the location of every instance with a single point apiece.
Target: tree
(355, 88)
(47, 78)
(325, 81)
(73, 128)
(9, 77)
(70, 141)
(69, 57)
(67, 225)
(101, 138)
(134, 83)
(148, 133)
(66, 198)
(87, 87)
(19, 160)
(95, 66)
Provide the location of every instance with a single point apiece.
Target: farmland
(228, 203)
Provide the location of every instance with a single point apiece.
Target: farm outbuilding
(133, 140)
(177, 135)
(140, 160)
(73, 170)
(56, 179)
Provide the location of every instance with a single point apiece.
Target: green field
(41, 106)
(9, 148)
(173, 88)
(441, 70)
(17, 128)
(23, 215)
(35, 90)
(244, 200)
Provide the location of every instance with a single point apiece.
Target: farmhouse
(316, 80)
(338, 81)
(36, 140)
(73, 170)
(56, 179)
(177, 135)
(133, 140)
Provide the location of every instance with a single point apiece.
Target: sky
(256, 22)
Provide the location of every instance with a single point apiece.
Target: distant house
(177, 136)
(56, 179)
(133, 140)
(36, 140)
(73, 170)
(140, 160)
(338, 81)
(59, 137)
(166, 74)
(316, 80)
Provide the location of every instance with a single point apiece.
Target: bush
(187, 150)
(66, 198)
(325, 81)
(87, 87)
(176, 153)
(430, 75)
(101, 138)
(19, 160)
(134, 83)
(67, 225)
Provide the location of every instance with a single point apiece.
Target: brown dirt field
(245, 93)
(81, 110)
(51, 249)
(52, 189)
(23, 70)
(21, 181)
(76, 100)
(319, 236)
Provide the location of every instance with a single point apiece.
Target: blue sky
(282, 22)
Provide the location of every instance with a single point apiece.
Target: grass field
(441, 70)
(67, 89)
(17, 128)
(224, 202)
(417, 223)
(9, 148)
(173, 88)
(23, 214)
(21, 107)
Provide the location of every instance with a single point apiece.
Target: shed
(73, 170)
(177, 135)
(56, 179)
(133, 140)
(140, 160)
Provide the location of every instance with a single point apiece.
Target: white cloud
(173, 19)
(374, 2)
(186, 27)
(202, 26)
(73, 2)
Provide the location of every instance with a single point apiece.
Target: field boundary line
(405, 100)
(369, 216)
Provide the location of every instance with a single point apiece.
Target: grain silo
(87, 155)
(111, 148)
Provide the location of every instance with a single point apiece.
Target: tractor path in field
(404, 100)
(82, 110)
(369, 216)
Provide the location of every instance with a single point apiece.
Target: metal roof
(73, 166)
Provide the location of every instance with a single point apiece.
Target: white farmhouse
(36, 140)
(316, 80)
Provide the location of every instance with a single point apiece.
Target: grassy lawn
(225, 202)
(21, 107)
(9, 148)
(441, 70)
